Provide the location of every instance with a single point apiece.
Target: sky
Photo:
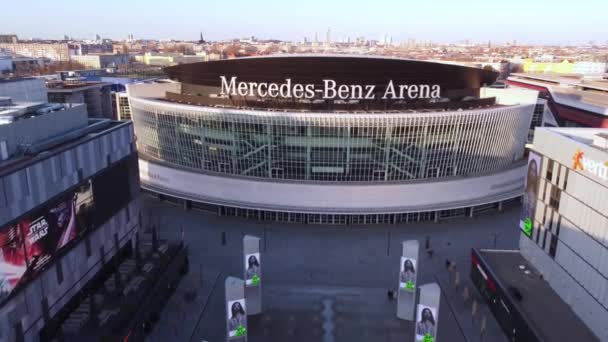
(529, 21)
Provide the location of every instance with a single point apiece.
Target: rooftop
(592, 137)
(540, 305)
(589, 82)
(11, 111)
(15, 79)
(57, 144)
(589, 94)
(70, 86)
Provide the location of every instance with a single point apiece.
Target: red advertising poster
(12, 260)
(29, 245)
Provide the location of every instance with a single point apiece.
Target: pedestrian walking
(465, 294)
(474, 309)
(482, 328)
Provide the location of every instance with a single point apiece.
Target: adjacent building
(568, 240)
(96, 95)
(572, 101)
(556, 286)
(120, 103)
(28, 89)
(102, 61)
(6, 64)
(168, 59)
(68, 205)
(350, 158)
(565, 67)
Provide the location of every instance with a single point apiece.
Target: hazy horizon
(479, 21)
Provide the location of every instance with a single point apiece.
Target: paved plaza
(323, 283)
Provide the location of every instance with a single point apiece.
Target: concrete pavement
(323, 283)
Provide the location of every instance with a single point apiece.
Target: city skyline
(440, 23)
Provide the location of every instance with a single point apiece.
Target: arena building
(331, 139)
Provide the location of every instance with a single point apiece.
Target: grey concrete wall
(334, 198)
(77, 269)
(567, 287)
(34, 185)
(43, 127)
(27, 90)
(31, 186)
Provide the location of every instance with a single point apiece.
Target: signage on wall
(329, 91)
(582, 163)
(530, 194)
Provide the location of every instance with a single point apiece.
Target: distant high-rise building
(328, 36)
(53, 51)
(8, 38)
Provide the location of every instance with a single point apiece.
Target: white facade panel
(580, 261)
(333, 198)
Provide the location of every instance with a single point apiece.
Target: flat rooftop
(11, 111)
(70, 86)
(574, 91)
(595, 82)
(541, 306)
(94, 128)
(592, 137)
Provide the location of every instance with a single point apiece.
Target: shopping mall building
(332, 139)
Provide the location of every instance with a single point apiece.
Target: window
(556, 194)
(549, 174)
(553, 246)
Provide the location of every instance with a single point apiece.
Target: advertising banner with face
(253, 274)
(407, 274)
(29, 245)
(526, 221)
(426, 323)
(12, 260)
(237, 318)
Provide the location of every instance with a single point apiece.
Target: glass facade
(330, 147)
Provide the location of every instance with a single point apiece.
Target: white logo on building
(329, 91)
